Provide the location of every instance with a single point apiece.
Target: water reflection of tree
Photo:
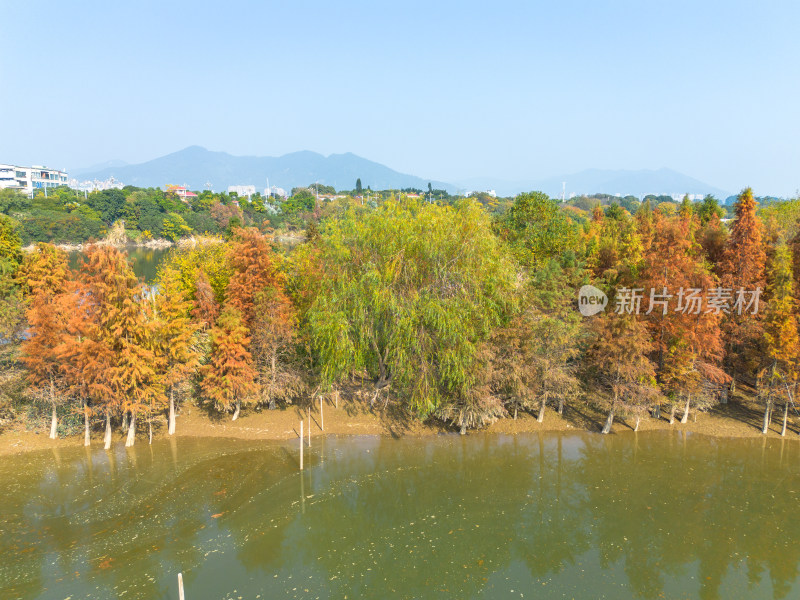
(675, 505)
(553, 529)
(117, 521)
(412, 516)
(408, 517)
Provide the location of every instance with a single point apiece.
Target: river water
(144, 261)
(481, 516)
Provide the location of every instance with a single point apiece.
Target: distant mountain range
(593, 181)
(196, 166)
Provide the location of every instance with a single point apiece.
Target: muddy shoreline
(738, 419)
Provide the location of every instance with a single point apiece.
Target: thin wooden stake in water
(180, 587)
(321, 416)
(309, 427)
(301, 445)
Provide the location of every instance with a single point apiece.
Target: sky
(442, 90)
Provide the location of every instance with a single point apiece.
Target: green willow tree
(402, 297)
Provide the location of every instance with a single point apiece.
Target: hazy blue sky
(444, 90)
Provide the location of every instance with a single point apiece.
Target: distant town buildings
(491, 193)
(96, 185)
(242, 190)
(30, 179)
(276, 191)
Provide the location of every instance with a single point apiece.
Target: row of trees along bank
(448, 312)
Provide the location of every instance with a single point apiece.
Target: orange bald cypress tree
(255, 269)
(205, 308)
(617, 360)
(229, 378)
(43, 277)
(257, 289)
(743, 268)
(126, 330)
(688, 345)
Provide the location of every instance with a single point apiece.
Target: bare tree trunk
(124, 421)
(657, 411)
(272, 383)
(672, 415)
(54, 424)
(463, 430)
(766, 417)
(107, 437)
(561, 406)
(237, 409)
(171, 427)
(638, 418)
(150, 429)
(515, 412)
(540, 417)
(86, 437)
(785, 418)
(131, 432)
(609, 421)
(685, 417)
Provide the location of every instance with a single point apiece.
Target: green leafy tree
(405, 294)
(175, 227)
(539, 230)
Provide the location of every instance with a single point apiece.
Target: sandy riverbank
(739, 418)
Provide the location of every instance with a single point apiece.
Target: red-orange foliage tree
(43, 276)
(127, 333)
(687, 338)
(205, 308)
(743, 267)
(229, 377)
(255, 269)
(618, 360)
(257, 289)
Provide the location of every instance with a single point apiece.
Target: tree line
(447, 311)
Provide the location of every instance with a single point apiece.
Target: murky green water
(144, 261)
(551, 516)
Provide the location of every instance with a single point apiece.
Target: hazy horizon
(447, 92)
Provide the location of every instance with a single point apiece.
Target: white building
(276, 191)
(31, 179)
(96, 185)
(242, 190)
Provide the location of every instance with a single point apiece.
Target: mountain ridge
(195, 166)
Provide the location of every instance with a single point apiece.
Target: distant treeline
(65, 215)
(462, 312)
